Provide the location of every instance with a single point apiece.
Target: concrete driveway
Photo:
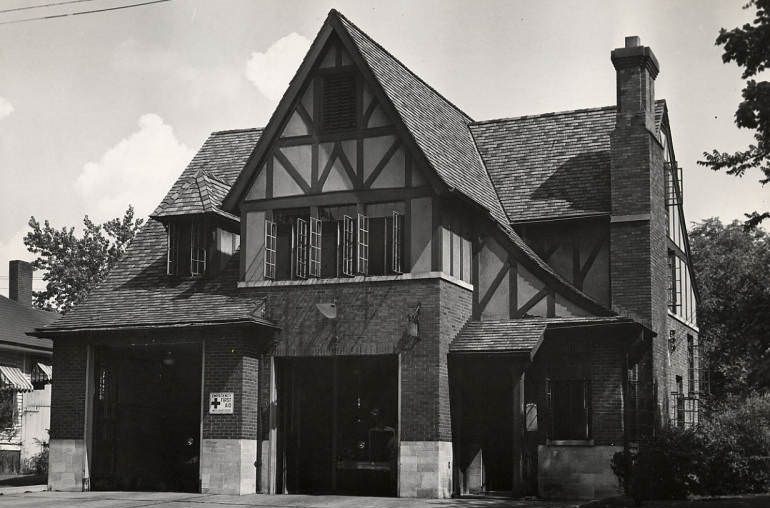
(178, 500)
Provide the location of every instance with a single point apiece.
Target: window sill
(683, 321)
(357, 279)
(569, 442)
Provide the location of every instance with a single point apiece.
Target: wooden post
(273, 459)
(517, 380)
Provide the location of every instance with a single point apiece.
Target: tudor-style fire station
(376, 294)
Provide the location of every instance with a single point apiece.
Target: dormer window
(187, 249)
(339, 101)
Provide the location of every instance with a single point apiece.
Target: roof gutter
(62, 332)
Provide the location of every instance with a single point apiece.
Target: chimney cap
(633, 41)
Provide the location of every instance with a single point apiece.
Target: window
(691, 387)
(197, 248)
(339, 101)
(300, 248)
(348, 244)
(270, 249)
(569, 403)
(172, 256)
(187, 248)
(315, 247)
(674, 292)
(362, 252)
(397, 225)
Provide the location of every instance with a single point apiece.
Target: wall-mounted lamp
(168, 360)
(413, 323)
(329, 310)
(672, 340)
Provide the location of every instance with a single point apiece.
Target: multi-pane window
(337, 241)
(271, 247)
(197, 248)
(300, 247)
(348, 245)
(362, 246)
(691, 380)
(397, 226)
(569, 404)
(172, 254)
(315, 247)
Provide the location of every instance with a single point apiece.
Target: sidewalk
(181, 500)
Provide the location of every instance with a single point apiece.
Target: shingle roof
(205, 182)
(16, 320)
(516, 336)
(139, 293)
(554, 165)
(439, 128)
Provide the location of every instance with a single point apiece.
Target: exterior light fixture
(413, 323)
(168, 360)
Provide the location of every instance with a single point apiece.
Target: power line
(54, 16)
(40, 6)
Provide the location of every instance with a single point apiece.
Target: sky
(98, 111)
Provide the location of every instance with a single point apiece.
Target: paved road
(177, 500)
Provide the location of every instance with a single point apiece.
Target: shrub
(39, 462)
(727, 453)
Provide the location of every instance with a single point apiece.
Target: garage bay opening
(338, 428)
(146, 417)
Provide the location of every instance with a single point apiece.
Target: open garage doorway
(338, 429)
(146, 417)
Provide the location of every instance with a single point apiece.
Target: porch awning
(12, 378)
(510, 336)
(42, 373)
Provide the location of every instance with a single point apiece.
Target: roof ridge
(399, 62)
(541, 115)
(235, 131)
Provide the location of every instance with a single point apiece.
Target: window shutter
(315, 247)
(300, 248)
(270, 248)
(548, 408)
(339, 102)
(362, 265)
(397, 242)
(348, 245)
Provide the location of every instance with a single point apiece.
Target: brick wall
(68, 389)
(231, 364)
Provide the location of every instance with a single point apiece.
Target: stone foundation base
(425, 469)
(228, 466)
(66, 464)
(576, 472)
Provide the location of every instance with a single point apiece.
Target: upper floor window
(338, 106)
(338, 241)
(186, 248)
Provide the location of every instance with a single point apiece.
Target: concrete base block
(228, 466)
(576, 472)
(425, 469)
(66, 464)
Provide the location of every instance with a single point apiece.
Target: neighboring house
(25, 372)
(376, 294)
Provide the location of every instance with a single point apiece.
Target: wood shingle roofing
(205, 182)
(555, 165)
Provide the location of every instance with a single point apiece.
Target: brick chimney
(638, 238)
(20, 278)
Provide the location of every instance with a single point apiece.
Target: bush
(39, 462)
(727, 453)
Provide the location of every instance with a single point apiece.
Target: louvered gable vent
(339, 101)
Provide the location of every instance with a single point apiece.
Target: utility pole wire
(40, 6)
(54, 16)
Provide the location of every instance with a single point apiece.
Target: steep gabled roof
(439, 128)
(205, 182)
(138, 293)
(17, 319)
(555, 165)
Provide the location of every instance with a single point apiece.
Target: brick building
(376, 294)
(25, 373)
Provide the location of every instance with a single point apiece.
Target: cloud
(138, 170)
(272, 70)
(6, 108)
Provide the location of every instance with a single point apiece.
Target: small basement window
(339, 102)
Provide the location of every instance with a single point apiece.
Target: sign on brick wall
(221, 403)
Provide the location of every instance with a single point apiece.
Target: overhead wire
(40, 6)
(79, 13)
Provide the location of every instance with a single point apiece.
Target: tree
(749, 47)
(72, 266)
(731, 266)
